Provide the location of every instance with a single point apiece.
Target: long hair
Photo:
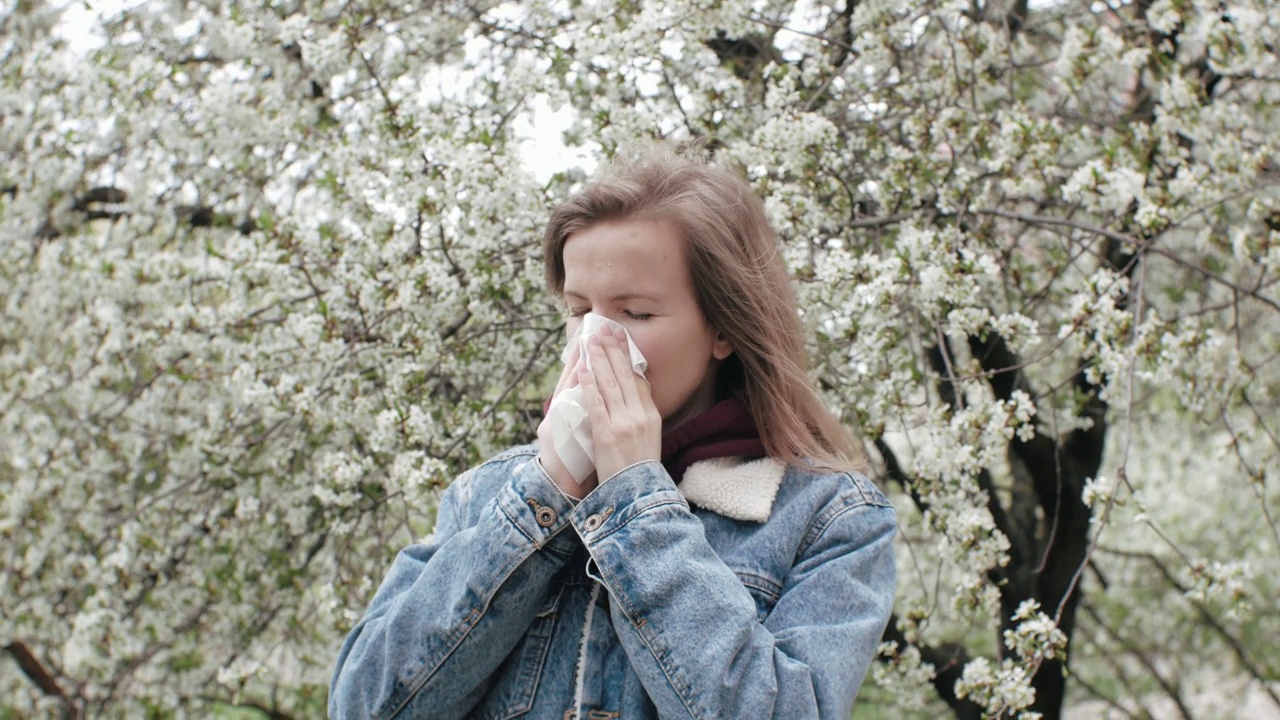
(741, 283)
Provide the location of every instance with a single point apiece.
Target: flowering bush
(270, 276)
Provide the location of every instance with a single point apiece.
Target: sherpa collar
(732, 488)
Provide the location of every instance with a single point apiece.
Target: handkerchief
(570, 424)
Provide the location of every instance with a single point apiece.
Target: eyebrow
(616, 297)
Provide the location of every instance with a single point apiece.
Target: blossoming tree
(270, 276)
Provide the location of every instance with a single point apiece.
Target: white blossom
(270, 278)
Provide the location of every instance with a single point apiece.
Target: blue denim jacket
(754, 591)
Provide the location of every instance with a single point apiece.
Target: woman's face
(635, 272)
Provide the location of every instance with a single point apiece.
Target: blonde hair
(741, 283)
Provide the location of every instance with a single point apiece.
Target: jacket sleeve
(690, 628)
(454, 606)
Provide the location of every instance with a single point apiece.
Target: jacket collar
(732, 488)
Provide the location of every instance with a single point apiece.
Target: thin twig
(1143, 659)
(1264, 678)
(1140, 245)
(1255, 484)
(1122, 471)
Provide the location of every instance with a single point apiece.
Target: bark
(948, 661)
(41, 677)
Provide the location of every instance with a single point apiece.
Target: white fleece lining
(735, 489)
(580, 680)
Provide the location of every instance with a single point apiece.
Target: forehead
(630, 255)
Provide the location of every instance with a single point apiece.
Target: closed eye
(636, 315)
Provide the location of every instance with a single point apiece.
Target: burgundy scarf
(726, 429)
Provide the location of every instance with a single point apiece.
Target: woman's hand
(626, 427)
(551, 463)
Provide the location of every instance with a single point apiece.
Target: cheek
(667, 357)
(649, 347)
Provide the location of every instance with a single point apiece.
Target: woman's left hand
(626, 427)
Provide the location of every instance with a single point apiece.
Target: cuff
(632, 491)
(535, 506)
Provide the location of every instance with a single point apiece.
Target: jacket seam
(465, 630)
(634, 464)
(515, 708)
(870, 493)
(823, 524)
(624, 603)
(637, 513)
(759, 582)
(666, 672)
(522, 451)
(393, 710)
(516, 525)
(632, 618)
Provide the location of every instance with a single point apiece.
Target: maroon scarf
(726, 429)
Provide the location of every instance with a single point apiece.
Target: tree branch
(37, 673)
(1139, 245)
(948, 661)
(96, 204)
(1013, 578)
(1047, 476)
(1143, 658)
(1264, 679)
(893, 471)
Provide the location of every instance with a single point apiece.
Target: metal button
(593, 523)
(545, 516)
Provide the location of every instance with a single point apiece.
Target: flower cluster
(1036, 636)
(270, 279)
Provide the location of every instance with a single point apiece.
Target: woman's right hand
(547, 456)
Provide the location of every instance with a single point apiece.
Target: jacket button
(545, 516)
(593, 523)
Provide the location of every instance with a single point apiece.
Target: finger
(644, 392)
(644, 400)
(569, 376)
(606, 380)
(593, 401)
(620, 361)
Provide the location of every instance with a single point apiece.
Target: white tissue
(570, 425)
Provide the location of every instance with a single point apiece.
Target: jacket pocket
(764, 592)
(517, 678)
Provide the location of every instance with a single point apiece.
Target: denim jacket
(752, 590)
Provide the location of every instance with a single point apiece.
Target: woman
(720, 562)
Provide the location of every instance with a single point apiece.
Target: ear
(721, 348)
